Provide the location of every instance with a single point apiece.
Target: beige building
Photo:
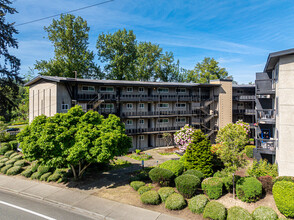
(148, 109)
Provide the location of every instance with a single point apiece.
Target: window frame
(179, 121)
(106, 89)
(162, 120)
(178, 90)
(143, 105)
(141, 137)
(141, 120)
(88, 90)
(130, 89)
(158, 105)
(130, 105)
(166, 90)
(105, 104)
(129, 120)
(141, 91)
(62, 106)
(181, 104)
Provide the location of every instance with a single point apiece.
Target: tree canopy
(69, 36)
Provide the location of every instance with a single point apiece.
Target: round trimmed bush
(4, 148)
(213, 187)
(45, 176)
(175, 166)
(198, 203)
(215, 210)
(9, 153)
(249, 189)
(27, 172)
(162, 176)
(20, 163)
(165, 192)
(36, 175)
(54, 177)
(237, 212)
(283, 192)
(175, 202)
(4, 159)
(197, 173)
(150, 197)
(5, 168)
(11, 161)
(249, 150)
(137, 184)
(13, 155)
(14, 170)
(187, 185)
(264, 213)
(143, 189)
(281, 178)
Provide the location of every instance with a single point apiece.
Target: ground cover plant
(140, 156)
(198, 203)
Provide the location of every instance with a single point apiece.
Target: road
(17, 207)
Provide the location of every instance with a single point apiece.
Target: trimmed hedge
(27, 172)
(5, 168)
(9, 153)
(175, 166)
(150, 197)
(4, 148)
(54, 177)
(36, 175)
(3, 159)
(264, 213)
(283, 192)
(249, 150)
(187, 184)
(197, 173)
(215, 210)
(11, 161)
(137, 184)
(162, 176)
(14, 170)
(175, 202)
(237, 212)
(45, 176)
(165, 192)
(198, 203)
(249, 189)
(13, 155)
(17, 157)
(213, 187)
(144, 189)
(20, 163)
(2, 164)
(281, 178)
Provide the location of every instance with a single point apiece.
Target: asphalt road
(17, 207)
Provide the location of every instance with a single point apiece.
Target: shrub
(237, 212)
(36, 175)
(198, 155)
(34, 166)
(43, 169)
(175, 166)
(14, 170)
(54, 177)
(142, 175)
(45, 176)
(143, 189)
(4, 148)
(195, 173)
(213, 187)
(249, 189)
(162, 176)
(5, 168)
(27, 172)
(137, 184)
(263, 168)
(249, 150)
(187, 185)
(17, 157)
(198, 203)
(138, 151)
(2, 164)
(11, 161)
(267, 183)
(13, 155)
(281, 178)
(264, 213)
(9, 153)
(165, 192)
(13, 144)
(228, 182)
(150, 197)
(20, 163)
(283, 192)
(4, 159)
(175, 202)
(215, 210)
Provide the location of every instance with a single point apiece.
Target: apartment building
(275, 111)
(148, 109)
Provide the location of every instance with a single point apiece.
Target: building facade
(148, 109)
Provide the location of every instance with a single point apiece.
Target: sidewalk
(79, 201)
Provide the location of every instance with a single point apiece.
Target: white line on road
(27, 210)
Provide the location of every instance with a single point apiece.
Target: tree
(69, 36)
(198, 155)
(75, 139)
(9, 66)
(183, 137)
(205, 71)
(166, 70)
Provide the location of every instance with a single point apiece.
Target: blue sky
(238, 34)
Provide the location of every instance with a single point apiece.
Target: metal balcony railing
(140, 97)
(157, 113)
(89, 97)
(244, 97)
(158, 129)
(249, 111)
(266, 115)
(265, 86)
(266, 144)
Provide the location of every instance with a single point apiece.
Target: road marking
(27, 210)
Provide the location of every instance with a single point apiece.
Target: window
(277, 72)
(88, 88)
(181, 105)
(130, 89)
(106, 89)
(163, 120)
(141, 137)
(240, 104)
(239, 91)
(141, 121)
(277, 105)
(162, 90)
(129, 122)
(141, 89)
(181, 90)
(181, 120)
(129, 106)
(64, 106)
(107, 106)
(141, 105)
(162, 105)
(159, 136)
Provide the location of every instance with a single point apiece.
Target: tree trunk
(73, 171)
(83, 170)
(234, 185)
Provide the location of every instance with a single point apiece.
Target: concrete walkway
(79, 201)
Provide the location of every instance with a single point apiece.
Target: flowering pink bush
(245, 125)
(183, 137)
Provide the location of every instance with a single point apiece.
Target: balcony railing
(89, 97)
(265, 86)
(266, 115)
(266, 144)
(244, 98)
(249, 111)
(157, 113)
(158, 129)
(179, 98)
(244, 111)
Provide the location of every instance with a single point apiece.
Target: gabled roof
(116, 82)
(273, 58)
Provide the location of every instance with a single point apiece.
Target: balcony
(266, 145)
(172, 98)
(152, 130)
(92, 97)
(245, 98)
(244, 111)
(249, 111)
(264, 86)
(266, 116)
(152, 114)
